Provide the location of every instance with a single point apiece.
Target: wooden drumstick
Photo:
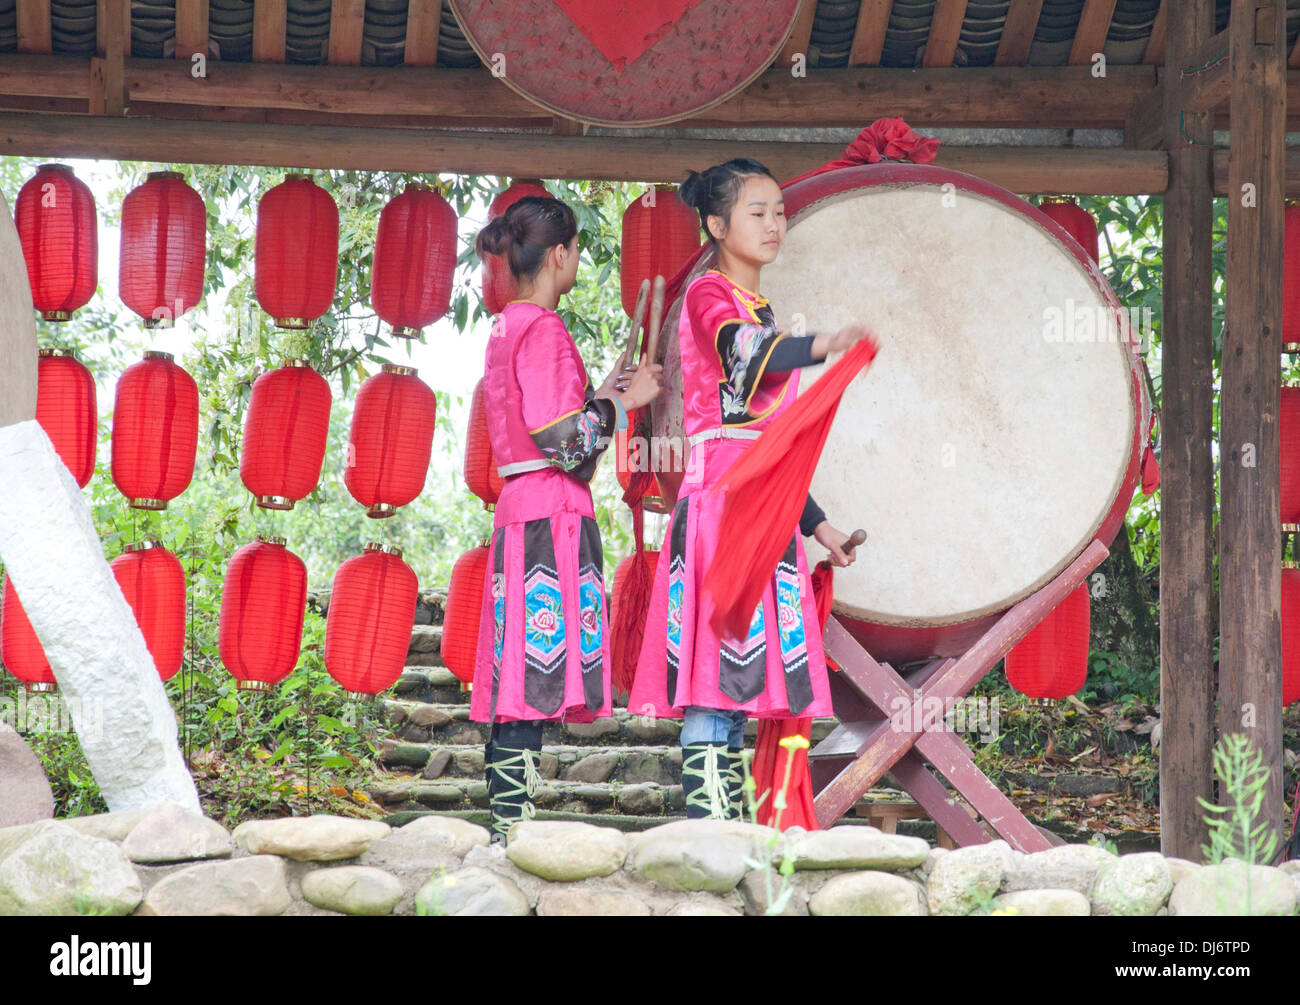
(855, 539)
(656, 319)
(626, 360)
(638, 318)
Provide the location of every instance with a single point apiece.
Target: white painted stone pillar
(52, 554)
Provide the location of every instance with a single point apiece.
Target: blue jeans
(712, 725)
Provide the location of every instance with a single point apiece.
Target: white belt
(519, 467)
(725, 433)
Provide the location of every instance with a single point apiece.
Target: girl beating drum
(543, 648)
(738, 373)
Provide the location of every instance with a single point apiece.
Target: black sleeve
(790, 353)
(812, 515)
(574, 442)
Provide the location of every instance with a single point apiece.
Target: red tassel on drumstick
(764, 492)
(769, 756)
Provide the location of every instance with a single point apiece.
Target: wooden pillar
(1187, 602)
(1250, 570)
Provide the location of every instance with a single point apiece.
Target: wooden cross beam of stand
(890, 724)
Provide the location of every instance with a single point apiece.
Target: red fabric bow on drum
(889, 139)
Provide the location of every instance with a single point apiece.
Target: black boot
(510, 762)
(736, 783)
(705, 774)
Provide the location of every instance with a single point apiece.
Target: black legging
(519, 735)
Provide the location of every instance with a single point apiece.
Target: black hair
(714, 192)
(526, 231)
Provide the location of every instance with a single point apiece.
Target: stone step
(483, 818)
(426, 646)
(628, 764)
(396, 794)
(435, 685)
(443, 723)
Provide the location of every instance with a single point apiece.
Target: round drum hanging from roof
(628, 63)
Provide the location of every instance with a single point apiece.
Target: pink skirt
(777, 671)
(543, 648)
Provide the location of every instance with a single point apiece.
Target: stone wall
(167, 861)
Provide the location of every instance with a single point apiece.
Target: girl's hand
(847, 337)
(834, 542)
(643, 386)
(617, 380)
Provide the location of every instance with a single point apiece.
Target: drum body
(998, 431)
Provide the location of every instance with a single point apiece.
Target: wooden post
(1250, 570)
(1187, 603)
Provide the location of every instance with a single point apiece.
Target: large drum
(999, 429)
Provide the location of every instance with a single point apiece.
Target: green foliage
(1110, 678)
(1234, 830)
(773, 855)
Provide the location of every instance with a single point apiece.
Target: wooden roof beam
(191, 28)
(1018, 33)
(869, 35)
(1090, 36)
(1023, 97)
(1206, 81)
(269, 20)
(423, 23)
(33, 26)
(1020, 169)
(800, 36)
(1154, 53)
(945, 32)
(107, 73)
(347, 19)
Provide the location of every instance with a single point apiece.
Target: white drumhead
(983, 448)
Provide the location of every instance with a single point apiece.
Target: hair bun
(690, 190)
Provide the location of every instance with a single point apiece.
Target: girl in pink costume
(738, 373)
(543, 650)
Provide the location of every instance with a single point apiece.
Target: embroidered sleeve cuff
(620, 422)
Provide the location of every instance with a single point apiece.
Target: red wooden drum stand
(874, 737)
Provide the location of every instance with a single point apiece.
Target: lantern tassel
(764, 492)
(628, 629)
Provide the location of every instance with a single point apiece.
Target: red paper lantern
(155, 431)
(1288, 435)
(164, 244)
(20, 649)
(55, 218)
(464, 613)
(499, 286)
(371, 613)
(1291, 276)
(659, 233)
(415, 260)
(285, 434)
(153, 583)
(263, 599)
(1052, 660)
(390, 440)
(480, 464)
(1075, 219)
(1290, 632)
(66, 410)
(296, 254)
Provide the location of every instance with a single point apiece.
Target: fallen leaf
(1092, 802)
